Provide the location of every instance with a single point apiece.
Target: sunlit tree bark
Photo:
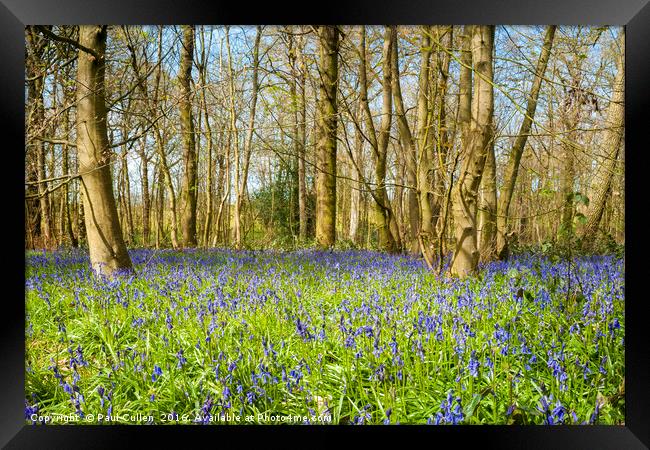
(108, 253)
(328, 37)
(189, 187)
(465, 192)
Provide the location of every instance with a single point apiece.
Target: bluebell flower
(350, 342)
(554, 416)
(595, 414)
(602, 369)
(80, 357)
(157, 372)
(68, 389)
(205, 412)
(473, 364)
(389, 411)
(302, 330)
(450, 413)
(169, 322)
(30, 410)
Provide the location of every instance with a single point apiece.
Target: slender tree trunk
(241, 190)
(355, 195)
(189, 187)
(66, 221)
(443, 141)
(108, 252)
(223, 214)
(120, 200)
(207, 225)
(235, 137)
(381, 214)
(208, 199)
(130, 235)
(160, 216)
(49, 155)
(302, 128)
(71, 236)
(410, 156)
(465, 90)
(398, 224)
(218, 237)
(570, 118)
(32, 213)
(568, 175)
(35, 49)
(465, 192)
(80, 214)
(63, 198)
(512, 169)
(146, 200)
(488, 206)
(297, 91)
(424, 139)
(326, 145)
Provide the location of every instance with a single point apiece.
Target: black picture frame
(633, 14)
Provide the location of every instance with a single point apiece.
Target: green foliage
(578, 198)
(275, 209)
(223, 309)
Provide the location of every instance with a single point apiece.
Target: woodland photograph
(319, 224)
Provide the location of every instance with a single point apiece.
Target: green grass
(377, 333)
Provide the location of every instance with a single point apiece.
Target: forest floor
(219, 336)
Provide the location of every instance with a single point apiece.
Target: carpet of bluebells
(349, 337)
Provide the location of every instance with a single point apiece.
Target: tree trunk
(568, 175)
(381, 212)
(146, 200)
(443, 142)
(218, 237)
(488, 206)
(160, 216)
(235, 139)
(207, 224)
(130, 236)
(512, 169)
(208, 196)
(302, 119)
(326, 145)
(36, 122)
(108, 252)
(68, 219)
(355, 192)
(297, 91)
(241, 190)
(189, 187)
(424, 140)
(410, 155)
(465, 192)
